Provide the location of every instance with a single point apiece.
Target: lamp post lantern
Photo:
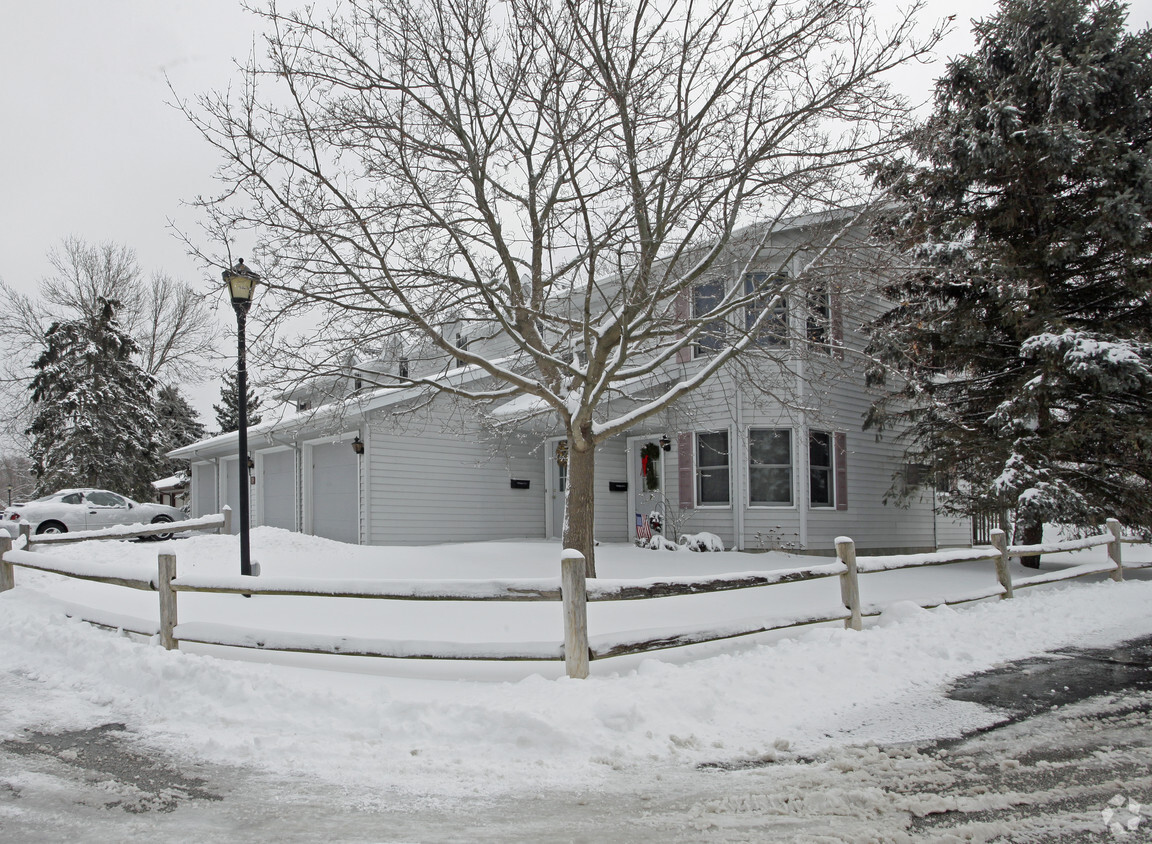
(241, 283)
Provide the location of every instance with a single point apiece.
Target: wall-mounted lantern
(665, 443)
(357, 446)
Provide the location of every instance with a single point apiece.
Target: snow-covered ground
(383, 733)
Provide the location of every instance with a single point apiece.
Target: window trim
(698, 467)
(748, 466)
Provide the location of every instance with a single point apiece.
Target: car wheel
(50, 527)
(159, 520)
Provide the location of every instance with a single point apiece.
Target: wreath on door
(649, 465)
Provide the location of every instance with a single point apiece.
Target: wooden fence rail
(577, 648)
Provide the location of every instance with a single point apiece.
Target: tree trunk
(1030, 533)
(579, 504)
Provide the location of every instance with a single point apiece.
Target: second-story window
(819, 325)
(764, 288)
(706, 298)
(403, 367)
(461, 344)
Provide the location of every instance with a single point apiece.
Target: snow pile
(457, 730)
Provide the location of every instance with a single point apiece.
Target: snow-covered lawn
(457, 729)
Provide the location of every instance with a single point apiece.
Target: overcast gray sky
(91, 148)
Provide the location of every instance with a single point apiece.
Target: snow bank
(392, 728)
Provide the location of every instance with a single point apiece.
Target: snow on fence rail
(572, 588)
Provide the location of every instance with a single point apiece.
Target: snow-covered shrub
(703, 541)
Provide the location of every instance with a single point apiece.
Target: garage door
(278, 487)
(204, 489)
(232, 490)
(335, 492)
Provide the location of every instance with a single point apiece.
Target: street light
(241, 283)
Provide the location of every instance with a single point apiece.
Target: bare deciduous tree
(167, 318)
(548, 177)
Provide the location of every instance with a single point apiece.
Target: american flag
(642, 529)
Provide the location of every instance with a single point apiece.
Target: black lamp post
(241, 283)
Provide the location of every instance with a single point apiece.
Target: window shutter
(836, 318)
(841, 470)
(683, 310)
(687, 471)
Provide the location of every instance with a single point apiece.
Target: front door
(646, 480)
(557, 484)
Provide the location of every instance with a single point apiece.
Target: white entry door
(335, 493)
(646, 479)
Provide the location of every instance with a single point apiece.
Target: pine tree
(93, 419)
(228, 411)
(179, 425)
(1022, 327)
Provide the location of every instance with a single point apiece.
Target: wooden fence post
(573, 592)
(26, 532)
(165, 574)
(849, 582)
(226, 530)
(999, 540)
(1114, 550)
(7, 581)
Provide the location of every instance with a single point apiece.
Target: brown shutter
(687, 471)
(841, 470)
(836, 318)
(683, 313)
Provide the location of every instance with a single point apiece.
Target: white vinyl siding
(429, 485)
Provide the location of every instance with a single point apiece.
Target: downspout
(802, 491)
(739, 469)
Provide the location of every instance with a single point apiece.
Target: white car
(85, 509)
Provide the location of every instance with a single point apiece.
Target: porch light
(665, 443)
(357, 446)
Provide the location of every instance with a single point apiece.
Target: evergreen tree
(93, 418)
(1022, 326)
(228, 411)
(179, 425)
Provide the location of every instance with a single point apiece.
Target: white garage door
(204, 489)
(335, 492)
(278, 487)
(232, 490)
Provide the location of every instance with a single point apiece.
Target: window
(770, 466)
(820, 488)
(712, 468)
(706, 298)
(106, 499)
(461, 344)
(403, 367)
(774, 330)
(819, 324)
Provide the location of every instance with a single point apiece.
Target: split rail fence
(572, 588)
